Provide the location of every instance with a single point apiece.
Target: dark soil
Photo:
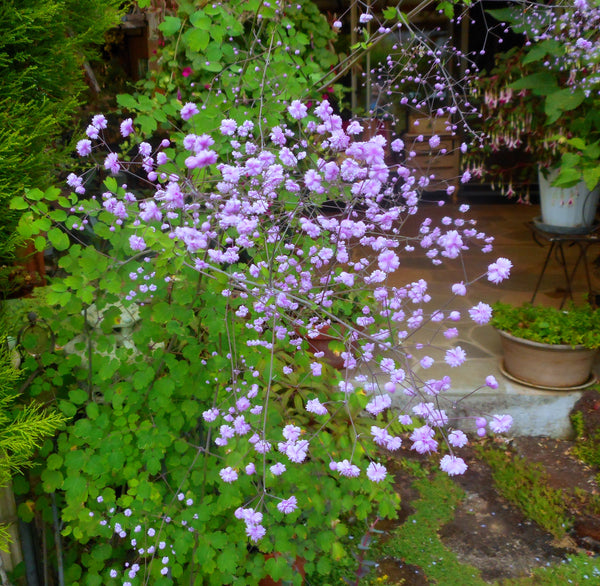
(493, 535)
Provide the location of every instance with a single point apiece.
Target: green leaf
(78, 396)
(561, 101)
(58, 239)
(170, 25)
(541, 83)
(389, 13)
(201, 20)
(40, 243)
(591, 176)
(197, 39)
(127, 101)
(111, 184)
(52, 480)
(18, 203)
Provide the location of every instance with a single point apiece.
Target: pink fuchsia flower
(228, 475)
(457, 439)
(455, 356)
(376, 472)
(188, 110)
(453, 465)
(111, 163)
(84, 147)
(297, 110)
(287, 506)
(187, 71)
(501, 423)
(126, 127)
(481, 313)
(499, 270)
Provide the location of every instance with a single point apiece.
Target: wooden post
(8, 517)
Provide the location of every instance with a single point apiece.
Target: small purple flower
(457, 439)
(459, 289)
(287, 506)
(278, 469)
(99, 122)
(188, 110)
(315, 406)
(481, 313)
(111, 163)
(297, 110)
(501, 423)
(228, 474)
(84, 147)
(126, 127)
(499, 270)
(455, 356)
(388, 261)
(137, 243)
(255, 532)
(491, 381)
(228, 127)
(453, 465)
(376, 472)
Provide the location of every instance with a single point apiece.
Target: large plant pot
(550, 366)
(569, 210)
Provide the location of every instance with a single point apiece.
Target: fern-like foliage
(23, 427)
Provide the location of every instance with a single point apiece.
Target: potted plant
(548, 347)
(542, 100)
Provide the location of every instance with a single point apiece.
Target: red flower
(187, 71)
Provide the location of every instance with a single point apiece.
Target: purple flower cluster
(247, 222)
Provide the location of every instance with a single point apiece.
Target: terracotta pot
(551, 366)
